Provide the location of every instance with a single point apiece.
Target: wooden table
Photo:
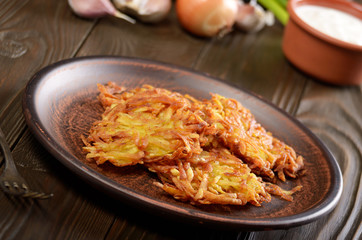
(34, 34)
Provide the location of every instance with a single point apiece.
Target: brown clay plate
(60, 104)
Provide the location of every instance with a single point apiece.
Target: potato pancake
(204, 152)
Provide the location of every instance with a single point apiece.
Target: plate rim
(99, 181)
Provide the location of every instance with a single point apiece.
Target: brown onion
(207, 18)
(150, 11)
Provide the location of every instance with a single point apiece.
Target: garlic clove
(252, 17)
(96, 9)
(148, 11)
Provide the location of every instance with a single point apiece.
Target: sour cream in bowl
(323, 38)
(333, 22)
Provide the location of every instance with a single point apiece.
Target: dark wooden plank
(68, 215)
(74, 212)
(165, 41)
(12, 121)
(258, 67)
(334, 115)
(255, 62)
(144, 226)
(77, 211)
(33, 34)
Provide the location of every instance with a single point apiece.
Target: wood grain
(12, 120)
(334, 115)
(36, 33)
(252, 61)
(67, 215)
(165, 42)
(33, 35)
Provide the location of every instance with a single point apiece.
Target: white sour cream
(335, 23)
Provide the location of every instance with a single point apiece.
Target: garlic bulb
(149, 11)
(252, 17)
(96, 9)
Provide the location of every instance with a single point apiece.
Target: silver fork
(10, 180)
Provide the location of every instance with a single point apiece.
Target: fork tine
(25, 187)
(37, 195)
(13, 188)
(6, 184)
(10, 180)
(34, 195)
(23, 191)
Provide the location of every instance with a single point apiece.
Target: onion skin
(207, 18)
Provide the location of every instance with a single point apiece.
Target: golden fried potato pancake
(236, 128)
(212, 177)
(142, 125)
(204, 152)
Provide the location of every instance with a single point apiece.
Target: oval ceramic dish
(60, 104)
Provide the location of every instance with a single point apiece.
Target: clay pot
(319, 55)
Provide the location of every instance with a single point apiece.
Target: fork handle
(6, 151)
